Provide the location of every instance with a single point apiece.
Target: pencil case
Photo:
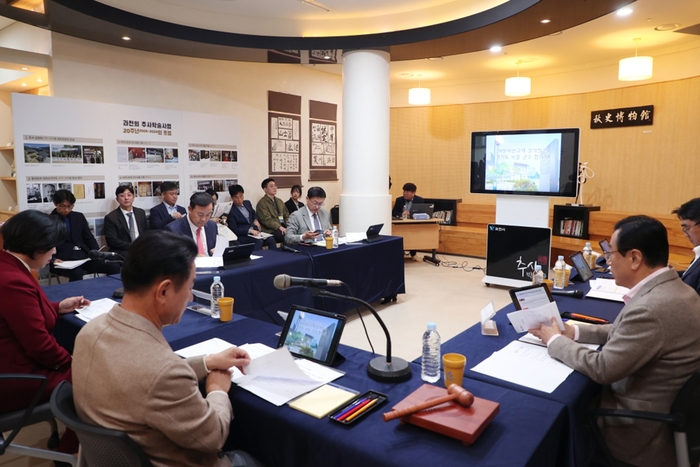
(355, 409)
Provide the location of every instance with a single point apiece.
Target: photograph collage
(44, 153)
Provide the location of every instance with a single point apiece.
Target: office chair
(99, 446)
(683, 418)
(35, 413)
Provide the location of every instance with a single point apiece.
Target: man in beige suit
(126, 376)
(648, 353)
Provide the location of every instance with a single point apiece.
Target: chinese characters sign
(284, 119)
(323, 141)
(629, 116)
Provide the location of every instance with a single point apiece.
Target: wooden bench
(468, 237)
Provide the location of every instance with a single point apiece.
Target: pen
(362, 410)
(354, 409)
(350, 407)
(585, 318)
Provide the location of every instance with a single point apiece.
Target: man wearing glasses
(689, 215)
(197, 224)
(78, 243)
(648, 353)
(309, 223)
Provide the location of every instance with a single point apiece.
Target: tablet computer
(237, 255)
(313, 334)
(582, 267)
(373, 233)
(605, 245)
(531, 296)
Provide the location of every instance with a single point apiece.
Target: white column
(365, 199)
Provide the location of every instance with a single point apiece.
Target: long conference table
(532, 428)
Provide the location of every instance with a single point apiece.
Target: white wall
(92, 71)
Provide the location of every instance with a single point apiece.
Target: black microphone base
(397, 371)
(118, 293)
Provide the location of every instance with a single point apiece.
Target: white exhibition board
(91, 148)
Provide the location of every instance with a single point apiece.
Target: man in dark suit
(79, 241)
(243, 221)
(648, 353)
(126, 223)
(409, 197)
(689, 215)
(167, 211)
(197, 224)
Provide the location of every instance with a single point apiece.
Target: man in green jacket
(271, 211)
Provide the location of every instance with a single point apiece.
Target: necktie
(132, 229)
(317, 224)
(200, 244)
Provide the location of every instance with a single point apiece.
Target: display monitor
(525, 162)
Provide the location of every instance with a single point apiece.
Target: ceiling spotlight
(545, 21)
(24, 68)
(39, 80)
(667, 27)
(24, 85)
(126, 38)
(496, 48)
(624, 12)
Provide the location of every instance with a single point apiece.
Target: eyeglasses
(316, 203)
(607, 254)
(685, 228)
(64, 206)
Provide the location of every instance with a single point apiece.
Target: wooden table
(419, 235)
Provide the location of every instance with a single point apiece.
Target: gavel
(454, 392)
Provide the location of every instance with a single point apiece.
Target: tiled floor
(450, 296)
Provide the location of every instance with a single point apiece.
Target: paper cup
(453, 365)
(329, 243)
(549, 283)
(226, 308)
(567, 275)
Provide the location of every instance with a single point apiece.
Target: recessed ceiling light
(126, 38)
(545, 21)
(24, 68)
(435, 59)
(667, 27)
(24, 85)
(624, 12)
(496, 48)
(39, 80)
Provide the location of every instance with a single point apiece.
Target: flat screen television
(525, 162)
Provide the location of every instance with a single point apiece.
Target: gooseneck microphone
(379, 368)
(106, 255)
(284, 282)
(569, 293)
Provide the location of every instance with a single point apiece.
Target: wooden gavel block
(454, 393)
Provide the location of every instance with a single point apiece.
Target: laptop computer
(427, 208)
(237, 255)
(373, 233)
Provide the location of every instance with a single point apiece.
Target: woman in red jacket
(27, 317)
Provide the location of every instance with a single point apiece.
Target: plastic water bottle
(334, 233)
(559, 271)
(430, 360)
(588, 255)
(217, 291)
(538, 275)
(404, 213)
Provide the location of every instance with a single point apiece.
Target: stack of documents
(272, 374)
(95, 309)
(323, 400)
(70, 264)
(607, 290)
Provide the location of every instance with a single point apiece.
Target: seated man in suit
(127, 378)
(310, 222)
(272, 213)
(167, 211)
(406, 201)
(689, 215)
(126, 223)
(197, 224)
(648, 353)
(243, 221)
(79, 241)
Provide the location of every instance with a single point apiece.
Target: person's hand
(57, 260)
(177, 215)
(309, 234)
(70, 304)
(283, 230)
(257, 225)
(328, 233)
(254, 232)
(233, 356)
(547, 331)
(218, 380)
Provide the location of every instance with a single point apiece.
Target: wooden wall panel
(650, 169)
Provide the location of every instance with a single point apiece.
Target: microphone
(283, 282)
(291, 250)
(568, 293)
(106, 255)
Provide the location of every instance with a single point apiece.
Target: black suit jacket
(237, 221)
(160, 216)
(401, 202)
(117, 230)
(79, 236)
(182, 226)
(692, 276)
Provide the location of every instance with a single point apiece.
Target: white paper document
(529, 319)
(261, 235)
(70, 264)
(207, 347)
(527, 365)
(96, 308)
(607, 290)
(532, 339)
(355, 236)
(221, 209)
(208, 261)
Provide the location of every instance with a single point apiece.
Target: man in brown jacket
(648, 353)
(126, 376)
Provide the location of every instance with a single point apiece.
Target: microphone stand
(389, 370)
